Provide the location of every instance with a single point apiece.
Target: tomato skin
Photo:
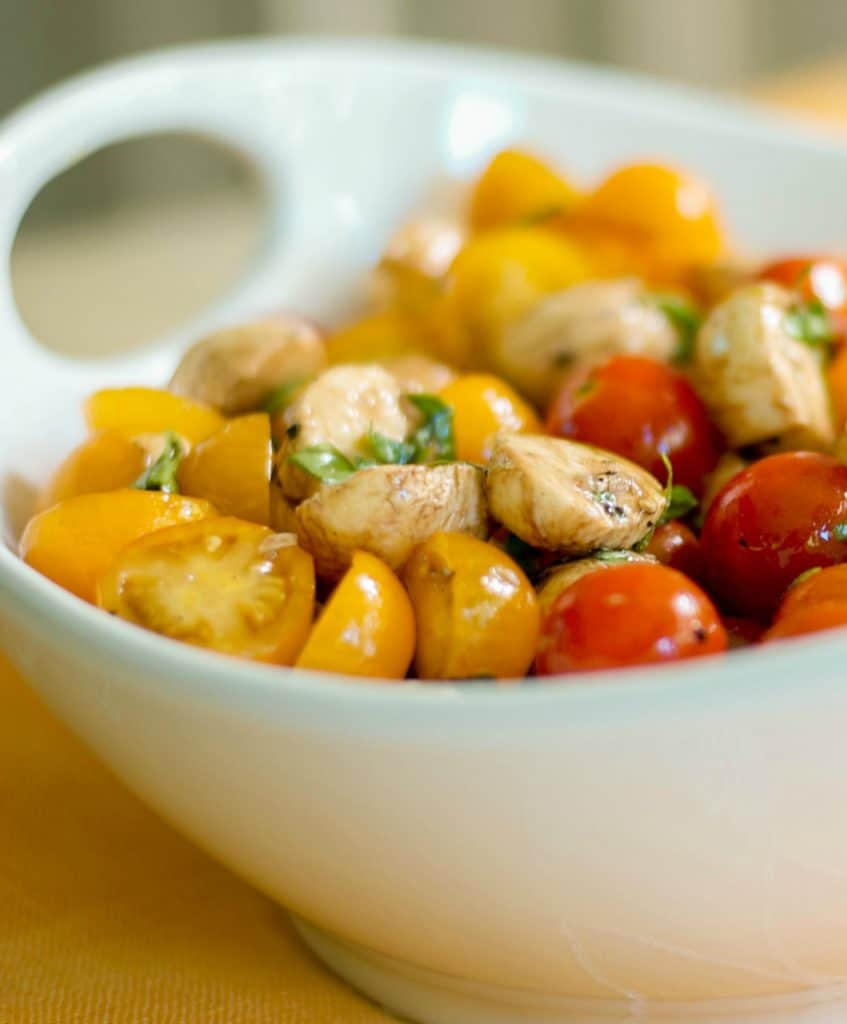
(809, 619)
(639, 408)
(819, 586)
(634, 614)
(821, 278)
(676, 545)
(770, 523)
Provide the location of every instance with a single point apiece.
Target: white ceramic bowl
(673, 839)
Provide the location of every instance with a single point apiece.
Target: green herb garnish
(809, 322)
(434, 439)
(612, 557)
(387, 451)
(839, 531)
(685, 320)
(160, 475)
(324, 462)
(681, 501)
(280, 399)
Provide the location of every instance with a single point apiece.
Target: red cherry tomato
(809, 619)
(815, 587)
(676, 545)
(640, 409)
(628, 615)
(773, 521)
(823, 278)
(815, 278)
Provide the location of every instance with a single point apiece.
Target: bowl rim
(702, 681)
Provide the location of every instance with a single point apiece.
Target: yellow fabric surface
(107, 916)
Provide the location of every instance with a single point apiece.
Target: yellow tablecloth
(107, 916)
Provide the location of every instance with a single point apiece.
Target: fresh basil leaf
(681, 501)
(645, 540)
(324, 462)
(809, 322)
(282, 397)
(839, 531)
(686, 321)
(160, 475)
(612, 557)
(434, 439)
(387, 451)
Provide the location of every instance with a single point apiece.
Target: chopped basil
(809, 322)
(839, 531)
(324, 462)
(669, 502)
(434, 438)
(686, 321)
(387, 451)
(612, 557)
(160, 475)
(282, 397)
(433, 442)
(681, 501)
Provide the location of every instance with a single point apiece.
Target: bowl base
(427, 997)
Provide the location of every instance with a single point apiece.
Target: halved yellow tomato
(74, 542)
(133, 411)
(477, 613)
(107, 461)
(223, 584)
(367, 627)
(232, 469)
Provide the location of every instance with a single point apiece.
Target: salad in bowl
(566, 430)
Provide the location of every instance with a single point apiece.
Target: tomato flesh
(223, 584)
(632, 614)
(776, 519)
(641, 409)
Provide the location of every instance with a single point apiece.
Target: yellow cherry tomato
(367, 627)
(517, 186)
(133, 411)
(374, 338)
(670, 212)
(493, 281)
(74, 542)
(232, 469)
(477, 613)
(483, 404)
(223, 584)
(107, 461)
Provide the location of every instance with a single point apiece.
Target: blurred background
(126, 223)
